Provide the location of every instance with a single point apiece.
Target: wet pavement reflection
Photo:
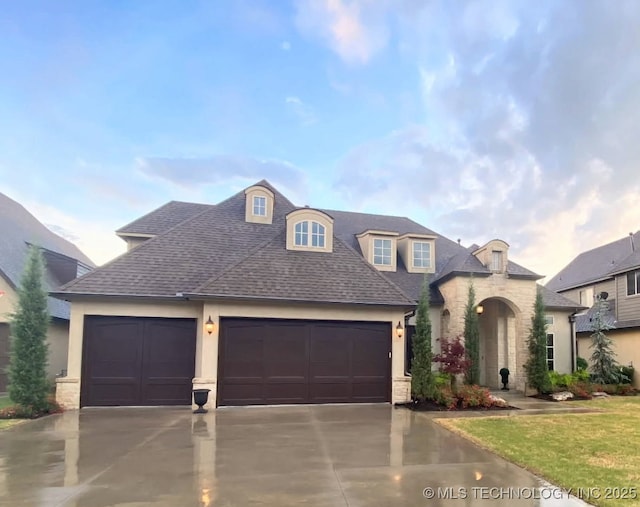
(369, 455)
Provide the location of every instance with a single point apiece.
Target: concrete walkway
(319, 456)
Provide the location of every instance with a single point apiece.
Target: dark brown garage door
(138, 361)
(264, 361)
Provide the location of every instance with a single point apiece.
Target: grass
(599, 450)
(6, 423)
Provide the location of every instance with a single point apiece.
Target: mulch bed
(431, 406)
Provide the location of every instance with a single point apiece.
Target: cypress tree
(472, 338)
(422, 378)
(603, 364)
(536, 367)
(27, 370)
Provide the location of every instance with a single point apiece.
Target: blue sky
(515, 120)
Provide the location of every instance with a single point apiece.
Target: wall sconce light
(209, 325)
(479, 309)
(399, 330)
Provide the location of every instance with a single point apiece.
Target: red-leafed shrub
(474, 396)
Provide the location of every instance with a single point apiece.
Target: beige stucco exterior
(405, 250)
(626, 346)
(259, 191)
(563, 340)
(7, 301)
(206, 367)
(366, 241)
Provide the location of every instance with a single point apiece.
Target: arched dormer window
(259, 205)
(309, 233)
(309, 229)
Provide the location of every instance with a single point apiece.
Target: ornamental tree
(604, 367)
(452, 359)
(472, 338)
(536, 366)
(29, 352)
(422, 378)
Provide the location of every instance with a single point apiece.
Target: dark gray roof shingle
(598, 264)
(553, 300)
(584, 321)
(18, 229)
(163, 218)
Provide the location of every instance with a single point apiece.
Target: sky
(479, 119)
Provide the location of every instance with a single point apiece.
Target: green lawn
(5, 423)
(599, 450)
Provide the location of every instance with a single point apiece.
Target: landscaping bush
(625, 374)
(444, 396)
(615, 389)
(474, 396)
(442, 379)
(29, 412)
(582, 364)
(625, 390)
(581, 390)
(581, 376)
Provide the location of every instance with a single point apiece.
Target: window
(496, 261)
(586, 297)
(633, 283)
(382, 252)
(550, 362)
(548, 320)
(421, 254)
(260, 206)
(317, 235)
(302, 234)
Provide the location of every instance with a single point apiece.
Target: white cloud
(302, 111)
(354, 29)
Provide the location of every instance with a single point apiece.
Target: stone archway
(497, 340)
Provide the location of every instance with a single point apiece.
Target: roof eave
(582, 284)
(240, 297)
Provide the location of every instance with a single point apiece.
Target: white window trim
(382, 255)
(262, 206)
(493, 259)
(413, 255)
(309, 234)
(637, 277)
(552, 347)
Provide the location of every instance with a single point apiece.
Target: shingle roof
(584, 321)
(217, 253)
(18, 229)
(164, 218)
(553, 300)
(598, 264)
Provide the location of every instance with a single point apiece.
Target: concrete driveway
(329, 456)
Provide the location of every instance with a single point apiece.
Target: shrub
(30, 412)
(625, 390)
(582, 364)
(452, 359)
(580, 376)
(444, 396)
(581, 390)
(442, 379)
(625, 374)
(474, 396)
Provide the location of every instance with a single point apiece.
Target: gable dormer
(418, 252)
(379, 248)
(494, 255)
(259, 205)
(309, 230)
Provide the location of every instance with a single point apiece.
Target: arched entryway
(497, 340)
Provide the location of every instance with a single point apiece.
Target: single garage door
(138, 361)
(265, 361)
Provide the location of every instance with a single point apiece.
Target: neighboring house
(64, 261)
(264, 302)
(611, 271)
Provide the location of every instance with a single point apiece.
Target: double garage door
(151, 361)
(266, 361)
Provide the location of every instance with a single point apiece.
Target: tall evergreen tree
(472, 338)
(422, 378)
(29, 351)
(536, 367)
(603, 364)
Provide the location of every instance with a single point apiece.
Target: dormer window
(309, 229)
(302, 234)
(496, 261)
(379, 248)
(421, 254)
(382, 252)
(259, 205)
(494, 255)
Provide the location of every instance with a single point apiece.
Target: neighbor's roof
(18, 229)
(584, 321)
(215, 252)
(599, 264)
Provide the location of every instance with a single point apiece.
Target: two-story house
(611, 273)
(265, 302)
(63, 262)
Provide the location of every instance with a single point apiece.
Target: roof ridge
(233, 265)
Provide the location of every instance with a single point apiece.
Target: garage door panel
(138, 361)
(303, 362)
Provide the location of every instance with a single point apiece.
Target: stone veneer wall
(518, 294)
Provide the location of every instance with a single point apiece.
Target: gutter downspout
(574, 342)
